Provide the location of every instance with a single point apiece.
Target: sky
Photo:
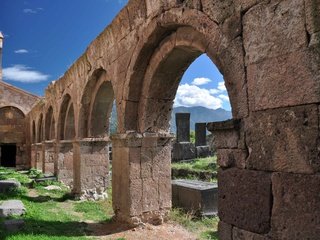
(43, 38)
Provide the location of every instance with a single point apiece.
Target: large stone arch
(66, 129)
(96, 105)
(50, 124)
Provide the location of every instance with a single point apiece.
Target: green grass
(199, 164)
(92, 210)
(205, 228)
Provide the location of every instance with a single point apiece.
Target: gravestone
(183, 149)
(195, 196)
(8, 185)
(12, 208)
(202, 149)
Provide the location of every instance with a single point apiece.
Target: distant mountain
(200, 114)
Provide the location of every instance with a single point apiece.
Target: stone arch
(40, 129)
(66, 119)
(179, 39)
(96, 105)
(49, 124)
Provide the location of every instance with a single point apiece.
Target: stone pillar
(50, 157)
(39, 156)
(33, 155)
(141, 177)
(91, 168)
(64, 168)
(183, 127)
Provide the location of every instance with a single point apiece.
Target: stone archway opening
(50, 125)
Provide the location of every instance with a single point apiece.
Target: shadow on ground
(67, 229)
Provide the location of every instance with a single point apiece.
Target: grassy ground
(196, 166)
(54, 215)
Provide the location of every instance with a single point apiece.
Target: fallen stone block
(8, 185)
(12, 208)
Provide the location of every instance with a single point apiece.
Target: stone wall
(269, 54)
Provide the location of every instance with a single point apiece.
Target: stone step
(12, 208)
(8, 185)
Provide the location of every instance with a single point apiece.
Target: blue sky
(44, 37)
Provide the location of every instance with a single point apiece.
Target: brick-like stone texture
(239, 234)
(245, 199)
(224, 231)
(274, 28)
(284, 140)
(295, 212)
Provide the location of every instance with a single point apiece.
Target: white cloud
(190, 96)
(222, 86)
(29, 10)
(224, 98)
(21, 51)
(21, 73)
(200, 81)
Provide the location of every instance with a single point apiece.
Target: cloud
(222, 86)
(220, 89)
(21, 51)
(191, 96)
(32, 11)
(24, 74)
(224, 98)
(200, 81)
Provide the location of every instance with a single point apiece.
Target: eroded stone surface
(245, 199)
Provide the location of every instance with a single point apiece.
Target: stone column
(64, 168)
(183, 127)
(141, 177)
(33, 155)
(39, 156)
(50, 157)
(91, 168)
(202, 149)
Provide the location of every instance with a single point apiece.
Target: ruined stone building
(15, 104)
(269, 54)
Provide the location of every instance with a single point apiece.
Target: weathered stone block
(312, 15)
(196, 196)
(269, 26)
(232, 158)
(284, 140)
(150, 197)
(239, 234)
(8, 185)
(245, 199)
(295, 212)
(276, 82)
(218, 10)
(203, 151)
(13, 225)
(12, 208)
(224, 231)
(183, 151)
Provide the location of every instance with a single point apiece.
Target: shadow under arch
(66, 130)
(49, 124)
(96, 106)
(40, 129)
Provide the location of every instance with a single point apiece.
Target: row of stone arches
(145, 51)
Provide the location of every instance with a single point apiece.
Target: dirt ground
(168, 231)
